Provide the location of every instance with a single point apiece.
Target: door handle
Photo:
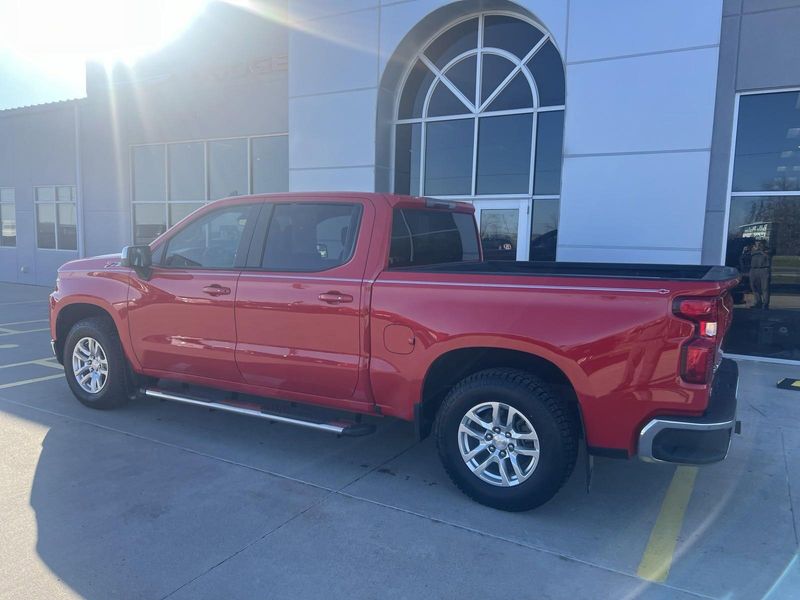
(335, 297)
(216, 290)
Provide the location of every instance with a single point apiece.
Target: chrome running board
(339, 428)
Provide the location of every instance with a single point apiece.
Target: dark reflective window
(408, 143)
(547, 69)
(764, 244)
(270, 168)
(517, 94)
(463, 75)
(508, 33)
(427, 237)
(227, 168)
(549, 145)
(454, 41)
(414, 92)
(768, 143)
(56, 222)
(495, 70)
(504, 154)
(46, 226)
(448, 157)
(499, 228)
(311, 237)
(544, 229)
(444, 102)
(488, 154)
(187, 172)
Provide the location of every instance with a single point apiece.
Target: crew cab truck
(379, 304)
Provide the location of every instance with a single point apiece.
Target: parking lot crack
(249, 545)
(789, 488)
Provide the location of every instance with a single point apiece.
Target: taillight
(703, 311)
(697, 360)
(698, 354)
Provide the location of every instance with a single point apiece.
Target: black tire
(554, 421)
(113, 393)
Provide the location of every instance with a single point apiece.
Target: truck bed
(583, 269)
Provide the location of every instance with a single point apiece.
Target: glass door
(505, 228)
(764, 226)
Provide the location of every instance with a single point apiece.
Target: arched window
(480, 117)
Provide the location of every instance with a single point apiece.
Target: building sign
(239, 70)
(209, 74)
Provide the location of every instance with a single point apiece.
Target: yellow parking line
(23, 322)
(27, 381)
(657, 557)
(10, 332)
(45, 362)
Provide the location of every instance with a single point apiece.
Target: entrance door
(764, 226)
(505, 228)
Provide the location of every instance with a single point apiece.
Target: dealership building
(658, 131)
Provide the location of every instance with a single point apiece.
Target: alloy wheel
(90, 365)
(498, 444)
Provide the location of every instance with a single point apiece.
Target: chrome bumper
(696, 440)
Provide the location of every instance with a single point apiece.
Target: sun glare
(98, 30)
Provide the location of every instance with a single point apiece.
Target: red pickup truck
(376, 304)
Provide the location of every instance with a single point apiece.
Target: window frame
(167, 203)
(475, 111)
(258, 244)
(244, 243)
(13, 204)
(56, 202)
(730, 194)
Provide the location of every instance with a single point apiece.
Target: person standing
(759, 274)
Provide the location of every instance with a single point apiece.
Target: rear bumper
(696, 440)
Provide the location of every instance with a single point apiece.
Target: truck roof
(390, 199)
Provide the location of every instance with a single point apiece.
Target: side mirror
(138, 258)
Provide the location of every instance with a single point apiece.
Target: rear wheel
(506, 439)
(94, 364)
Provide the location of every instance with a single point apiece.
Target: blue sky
(25, 82)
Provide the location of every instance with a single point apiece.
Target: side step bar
(339, 428)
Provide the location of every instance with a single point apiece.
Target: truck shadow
(120, 516)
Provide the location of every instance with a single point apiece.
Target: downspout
(80, 220)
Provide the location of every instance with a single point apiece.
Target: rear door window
(307, 236)
(427, 237)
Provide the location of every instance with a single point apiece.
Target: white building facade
(581, 130)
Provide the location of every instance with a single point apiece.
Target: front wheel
(506, 439)
(95, 365)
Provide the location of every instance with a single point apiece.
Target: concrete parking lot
(158, 500)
